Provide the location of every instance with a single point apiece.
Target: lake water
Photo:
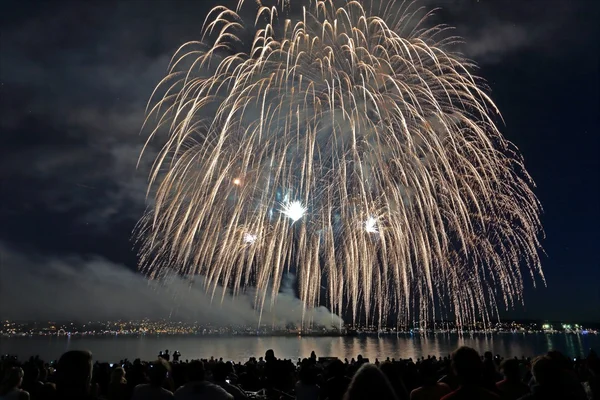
(241, 348)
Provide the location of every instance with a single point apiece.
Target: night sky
(74, 81)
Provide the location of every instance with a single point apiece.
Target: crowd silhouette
(462, 375)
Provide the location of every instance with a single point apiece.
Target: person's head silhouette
(466, 365)
(220, 372)
(157, 373)
(370, 383)
(12, 380)
(270, 355)
(196, 371)
(74, 373)
(510, 369)
(545, 371)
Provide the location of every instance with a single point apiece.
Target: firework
(350, 144)
(250, 238)
(294, 210)
(371, 225)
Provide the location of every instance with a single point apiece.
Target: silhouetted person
(220, 378)
(157, 374)
(198, 388)
(117, 387)
(273, 371)
(338, 383)
(549, 381)
(306, 387)
(431, 389)
(135, 374)
(250, 379)
(10, 386)
(176, 356)
(568, 377)
(270, 355)
(593, 363)
(392, 373)
(31, 381)
(490, 373)
(49, 388)
(74, 376)
(511, 387)
(467, 367)
(370, 383)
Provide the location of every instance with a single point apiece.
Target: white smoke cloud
(91, 288)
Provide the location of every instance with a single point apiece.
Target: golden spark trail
(350, 144)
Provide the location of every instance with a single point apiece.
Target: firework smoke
(348, 144)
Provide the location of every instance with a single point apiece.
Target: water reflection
(241, 348)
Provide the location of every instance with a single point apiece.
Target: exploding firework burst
(294, 210)
(348, 143)
(371, 225)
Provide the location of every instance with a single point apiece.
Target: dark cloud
(494, 31)
(86, 73)
(80, 77)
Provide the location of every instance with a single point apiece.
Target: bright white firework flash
(371, 225)
(250, 238)
(294, 210)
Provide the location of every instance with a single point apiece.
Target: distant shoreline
(172, 328)
(292, 335)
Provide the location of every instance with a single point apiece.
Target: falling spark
(354, 106)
